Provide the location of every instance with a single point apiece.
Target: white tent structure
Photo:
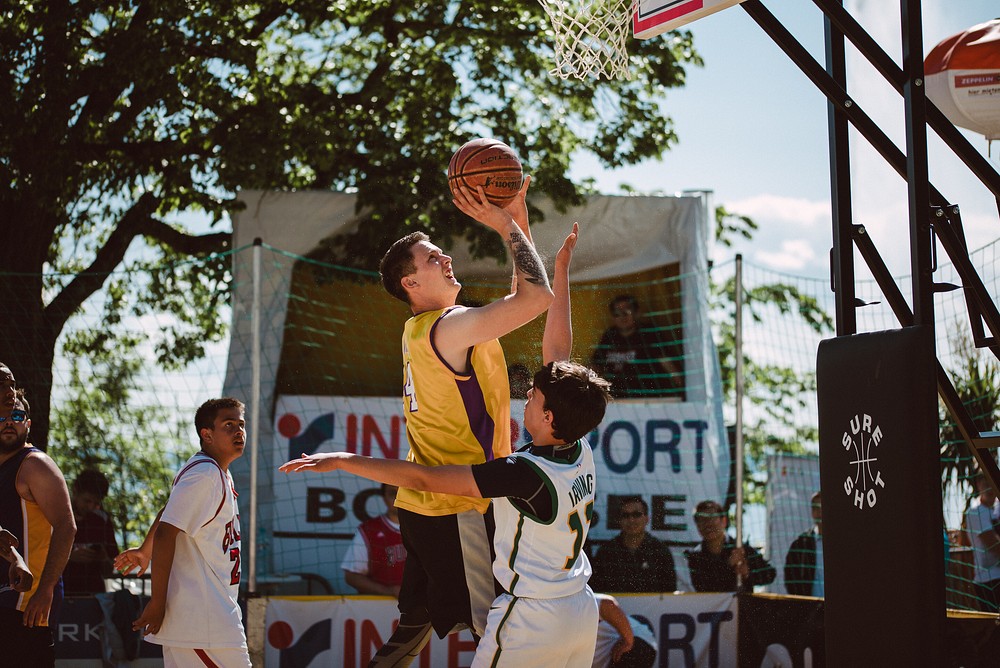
(619, 235)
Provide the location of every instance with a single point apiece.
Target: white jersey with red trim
(202, 609)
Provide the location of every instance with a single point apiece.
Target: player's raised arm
(456, 480)
(467, 327)
(557, 341)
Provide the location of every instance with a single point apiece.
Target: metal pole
(739, 399)
(254, 410)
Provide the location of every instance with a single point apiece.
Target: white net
(590, 37)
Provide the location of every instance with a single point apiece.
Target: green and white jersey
(543, 557)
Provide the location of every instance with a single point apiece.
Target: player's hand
(129, 560)
(565, 253)
(18, 575)
(518, 208)
(621, 648)
(36, 613)
(320, 462)
(474, 204)
(151, 618)
(7, 539)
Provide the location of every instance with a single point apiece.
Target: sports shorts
(551, 632)
(449, 569)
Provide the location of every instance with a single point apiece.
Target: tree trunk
(28, 336)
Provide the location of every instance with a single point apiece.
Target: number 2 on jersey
(576, 526)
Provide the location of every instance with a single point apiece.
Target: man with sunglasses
(35, 508)
(634, 561)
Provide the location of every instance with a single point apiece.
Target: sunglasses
(634, 513)
(15, 416)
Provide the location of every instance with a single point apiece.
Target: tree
(118, 116)
(976, 377)
(774, 392)
(100, 426)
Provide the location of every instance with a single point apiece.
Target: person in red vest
(374, 562)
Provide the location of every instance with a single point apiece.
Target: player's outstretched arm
(457, 480)
(557, 341)
(138, 557)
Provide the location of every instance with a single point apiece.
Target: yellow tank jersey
(451, 418)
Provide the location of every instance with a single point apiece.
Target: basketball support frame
(931, 216)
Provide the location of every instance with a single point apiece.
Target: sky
(752, 129)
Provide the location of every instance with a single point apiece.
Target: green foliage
(728, 225)
(773, 393)
(119, 116)
(976, 377)
(100, 425)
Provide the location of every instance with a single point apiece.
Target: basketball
(488, 163)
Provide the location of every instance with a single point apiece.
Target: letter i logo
(306, 441)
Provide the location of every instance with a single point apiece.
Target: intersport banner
(693, 630)
(669, 453)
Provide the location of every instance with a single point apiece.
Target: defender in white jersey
(543, 497)
(194, 543)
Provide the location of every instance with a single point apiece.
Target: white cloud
(792, 255)
(781, 209)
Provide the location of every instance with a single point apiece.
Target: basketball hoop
(591, 37)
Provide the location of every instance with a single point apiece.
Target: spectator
(980, 520)
(631, 358)
(717, 564)
(623, 641)
(634, 561)
(374, 562)
(804, 561)
(94, 547)
(35, 509)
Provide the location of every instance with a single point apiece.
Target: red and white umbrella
(963, 78)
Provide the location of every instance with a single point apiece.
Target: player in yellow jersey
(35, 508)
(456, 400)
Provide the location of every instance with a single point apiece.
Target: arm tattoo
(526, 259)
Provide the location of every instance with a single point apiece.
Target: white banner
(300, 632)
(669, 453)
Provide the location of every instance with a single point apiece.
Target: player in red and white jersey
(195, 548)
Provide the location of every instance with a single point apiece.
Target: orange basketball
(488, 163)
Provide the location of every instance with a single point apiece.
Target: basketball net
(591, 37)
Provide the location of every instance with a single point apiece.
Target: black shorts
(449, 569)
(24, 647)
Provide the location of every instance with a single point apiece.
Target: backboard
(654, 17)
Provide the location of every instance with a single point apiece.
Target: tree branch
(137, 221)
(188, 244)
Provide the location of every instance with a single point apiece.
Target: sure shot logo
(861, 442)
